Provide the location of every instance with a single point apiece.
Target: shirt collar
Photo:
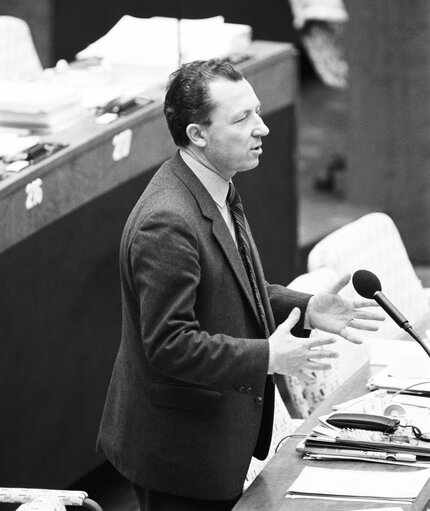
(214, 184)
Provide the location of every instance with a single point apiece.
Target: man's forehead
(230, 93)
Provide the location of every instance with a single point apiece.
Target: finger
(318, 366)
(350, 335)
(340, 283)
(322, 354)
(374, 314)
(292, 319)
(364, 302)
(360, 324)
(320, 341)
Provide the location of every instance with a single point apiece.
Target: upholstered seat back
(18, 56)
(372, 243)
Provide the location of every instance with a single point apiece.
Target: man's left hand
(332, 313)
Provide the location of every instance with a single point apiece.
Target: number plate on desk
(121, 145)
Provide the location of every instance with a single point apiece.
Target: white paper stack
(154, 47)
(359, 485)
(38, 106)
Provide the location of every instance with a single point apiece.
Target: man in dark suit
(191, 396)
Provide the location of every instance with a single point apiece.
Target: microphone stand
(398, 318)
(407, 327)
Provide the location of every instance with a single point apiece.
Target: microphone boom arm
(398, 318)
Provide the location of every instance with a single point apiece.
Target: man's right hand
(296, 356)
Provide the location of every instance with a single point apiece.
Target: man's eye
(241, 118)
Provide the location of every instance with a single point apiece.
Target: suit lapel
(219, 228)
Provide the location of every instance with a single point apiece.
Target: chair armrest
(67, 497)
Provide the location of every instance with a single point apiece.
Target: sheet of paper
(360, 483)
(11, 143)
(384, 380)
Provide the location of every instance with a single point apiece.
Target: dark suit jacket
(189, 401)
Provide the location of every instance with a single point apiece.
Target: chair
(47, 500)
(373, 243)
(18, 57)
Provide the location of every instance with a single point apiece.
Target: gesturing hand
(294, 355)
(332, 313)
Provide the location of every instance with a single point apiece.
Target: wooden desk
(60, 310)
(267, 493)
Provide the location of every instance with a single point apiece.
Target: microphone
(368, 285)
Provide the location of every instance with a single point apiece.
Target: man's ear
(194, 132)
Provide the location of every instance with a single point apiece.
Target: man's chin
(251, 165)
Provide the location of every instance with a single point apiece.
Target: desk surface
(267, 493)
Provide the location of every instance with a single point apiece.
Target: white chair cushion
(18, 56)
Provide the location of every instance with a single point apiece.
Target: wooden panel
(389, 115)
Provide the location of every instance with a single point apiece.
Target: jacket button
(258, 400)
(242, 389)
(249, 390)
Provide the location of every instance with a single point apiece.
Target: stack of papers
(359, 485)
(330, 442)
(13, 143)
(154, 47)
(38, 106)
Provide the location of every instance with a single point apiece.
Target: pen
(375, 455)
(389, 456)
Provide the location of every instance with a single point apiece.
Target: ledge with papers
(269, 490)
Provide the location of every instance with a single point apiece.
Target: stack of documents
(330, 442)
(38, 106)
(154, 47)
(359, 485)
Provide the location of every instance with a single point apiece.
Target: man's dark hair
(187, 98)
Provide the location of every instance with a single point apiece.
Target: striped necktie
(236, 209)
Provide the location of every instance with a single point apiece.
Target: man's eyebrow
(247, 110)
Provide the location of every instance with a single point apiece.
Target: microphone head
(366, 283)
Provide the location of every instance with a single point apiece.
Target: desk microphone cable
(298, 435)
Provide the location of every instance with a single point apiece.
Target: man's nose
(260, 130)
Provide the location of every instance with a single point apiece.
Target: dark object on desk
(120, 107)
(364, 421)
(32, 155)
